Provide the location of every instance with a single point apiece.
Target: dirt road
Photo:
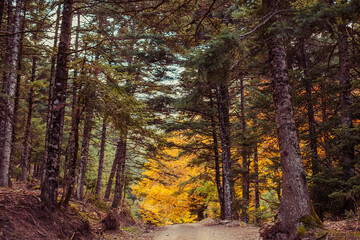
(198, 231)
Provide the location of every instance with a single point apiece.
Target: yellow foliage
(165, 200)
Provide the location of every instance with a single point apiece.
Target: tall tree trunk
(17, 96)
(50, 183)
(256, 184)
(4, 87)
(74, 134)
(245, 160)
(223, 111)
(113, 170)
(310, 110)
(345, 103)
(84, 154)
(216, 158)
(101, 159)
(295, 200)
(120, 178)
(9, 101)
(51, 92)
(26, 141)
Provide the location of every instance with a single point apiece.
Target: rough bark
(310, 109)
(88, 122)
(9, 101)
(51, 92)
(17, 96)
(4, 87)
(120, 178)
(224, 124)
(50, 183)
(245, 160)
(345, 103)
(113, 170)
(74, 133)
(295, 200)
(101, 159)
(217, 160)
(26, 142)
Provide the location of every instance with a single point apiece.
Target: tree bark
(16, 100)
(74, 134)
(101, 159)
(345, 103)
(224, 124)
(120, 178)
(310, 110)
(26, 141)
(51, 92)
(9, 101)
(217, 161)
(245, 160)
(88, 122)
(295, 200)
(3, 106)
(50, 183)
(113, 170)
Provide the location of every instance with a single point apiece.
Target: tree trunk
(26, 142)
(112, 172)
(310, 109)
(17, 96)
(223, 111)
(51, 93)
(84, 154)
(295, 200)
(256, 184)
(74, 134)
(50, 183)
(217, 162)
(245, 160)
(101, 159)
(120, 178)
(3, 98)
(345, 103)
(9, 101)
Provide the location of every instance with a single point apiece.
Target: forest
(184, 110)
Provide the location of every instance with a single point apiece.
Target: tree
(50, 182)
(101, 158)
(26, 143)
(9, 101)
(88, 122)
(295, 201)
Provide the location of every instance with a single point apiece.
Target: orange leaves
(165, 199)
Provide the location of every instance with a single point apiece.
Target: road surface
(198, 231)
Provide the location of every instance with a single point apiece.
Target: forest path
(198, 231)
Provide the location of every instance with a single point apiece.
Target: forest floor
(205, 230)
(22, 216)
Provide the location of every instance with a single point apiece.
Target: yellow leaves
(165, 200)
